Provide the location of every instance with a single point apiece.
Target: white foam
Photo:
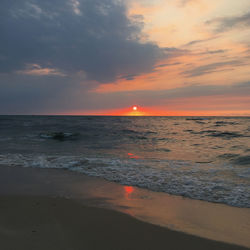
(197, 181)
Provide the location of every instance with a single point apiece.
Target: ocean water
(204, 158)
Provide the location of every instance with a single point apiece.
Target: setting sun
(134, 108)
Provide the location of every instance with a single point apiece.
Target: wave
(201, 181)
(216, 133)
(226, 135)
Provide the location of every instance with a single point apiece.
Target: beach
(33, 222)
(124, 182)
(36, 212)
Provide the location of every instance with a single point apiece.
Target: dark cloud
(226, 23)
(25, 94)
(68, 36)
(210, 68)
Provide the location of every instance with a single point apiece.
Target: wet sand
(57, 209)
(36, 222)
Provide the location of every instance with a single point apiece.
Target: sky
(102, 57)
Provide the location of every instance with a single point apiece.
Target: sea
(202, 158)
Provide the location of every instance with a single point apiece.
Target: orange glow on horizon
(131, 111)
(156, 112)
(173, 107)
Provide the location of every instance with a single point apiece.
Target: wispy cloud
(212, 52)
(167, 65)
(200, 41)
(186, 2)
(226, 23)
(213, 67)
(37, 70)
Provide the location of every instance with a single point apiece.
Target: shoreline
(179, 215)
(40, 222)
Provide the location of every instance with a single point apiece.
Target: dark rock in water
(60, 136)
(243, 160)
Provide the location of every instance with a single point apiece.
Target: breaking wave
(196, 181)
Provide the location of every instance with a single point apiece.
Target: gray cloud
(226, 23)
(168, 64)
(194, 42)
(24, 94)
(38, 96)
(183, 3)
(196, 91)
(53, 52)
(128, 77)
(162, 97)
(68, 36)
(210, 68)
(211, 52)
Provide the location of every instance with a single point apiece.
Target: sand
(40, 222)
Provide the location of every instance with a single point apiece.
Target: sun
(135, 108)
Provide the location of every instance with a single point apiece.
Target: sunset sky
(102, 57)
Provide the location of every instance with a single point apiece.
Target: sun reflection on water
(128, 192)
(133, 156)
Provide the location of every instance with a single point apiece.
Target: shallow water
(200, 158)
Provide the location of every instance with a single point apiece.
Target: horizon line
(248, 116)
